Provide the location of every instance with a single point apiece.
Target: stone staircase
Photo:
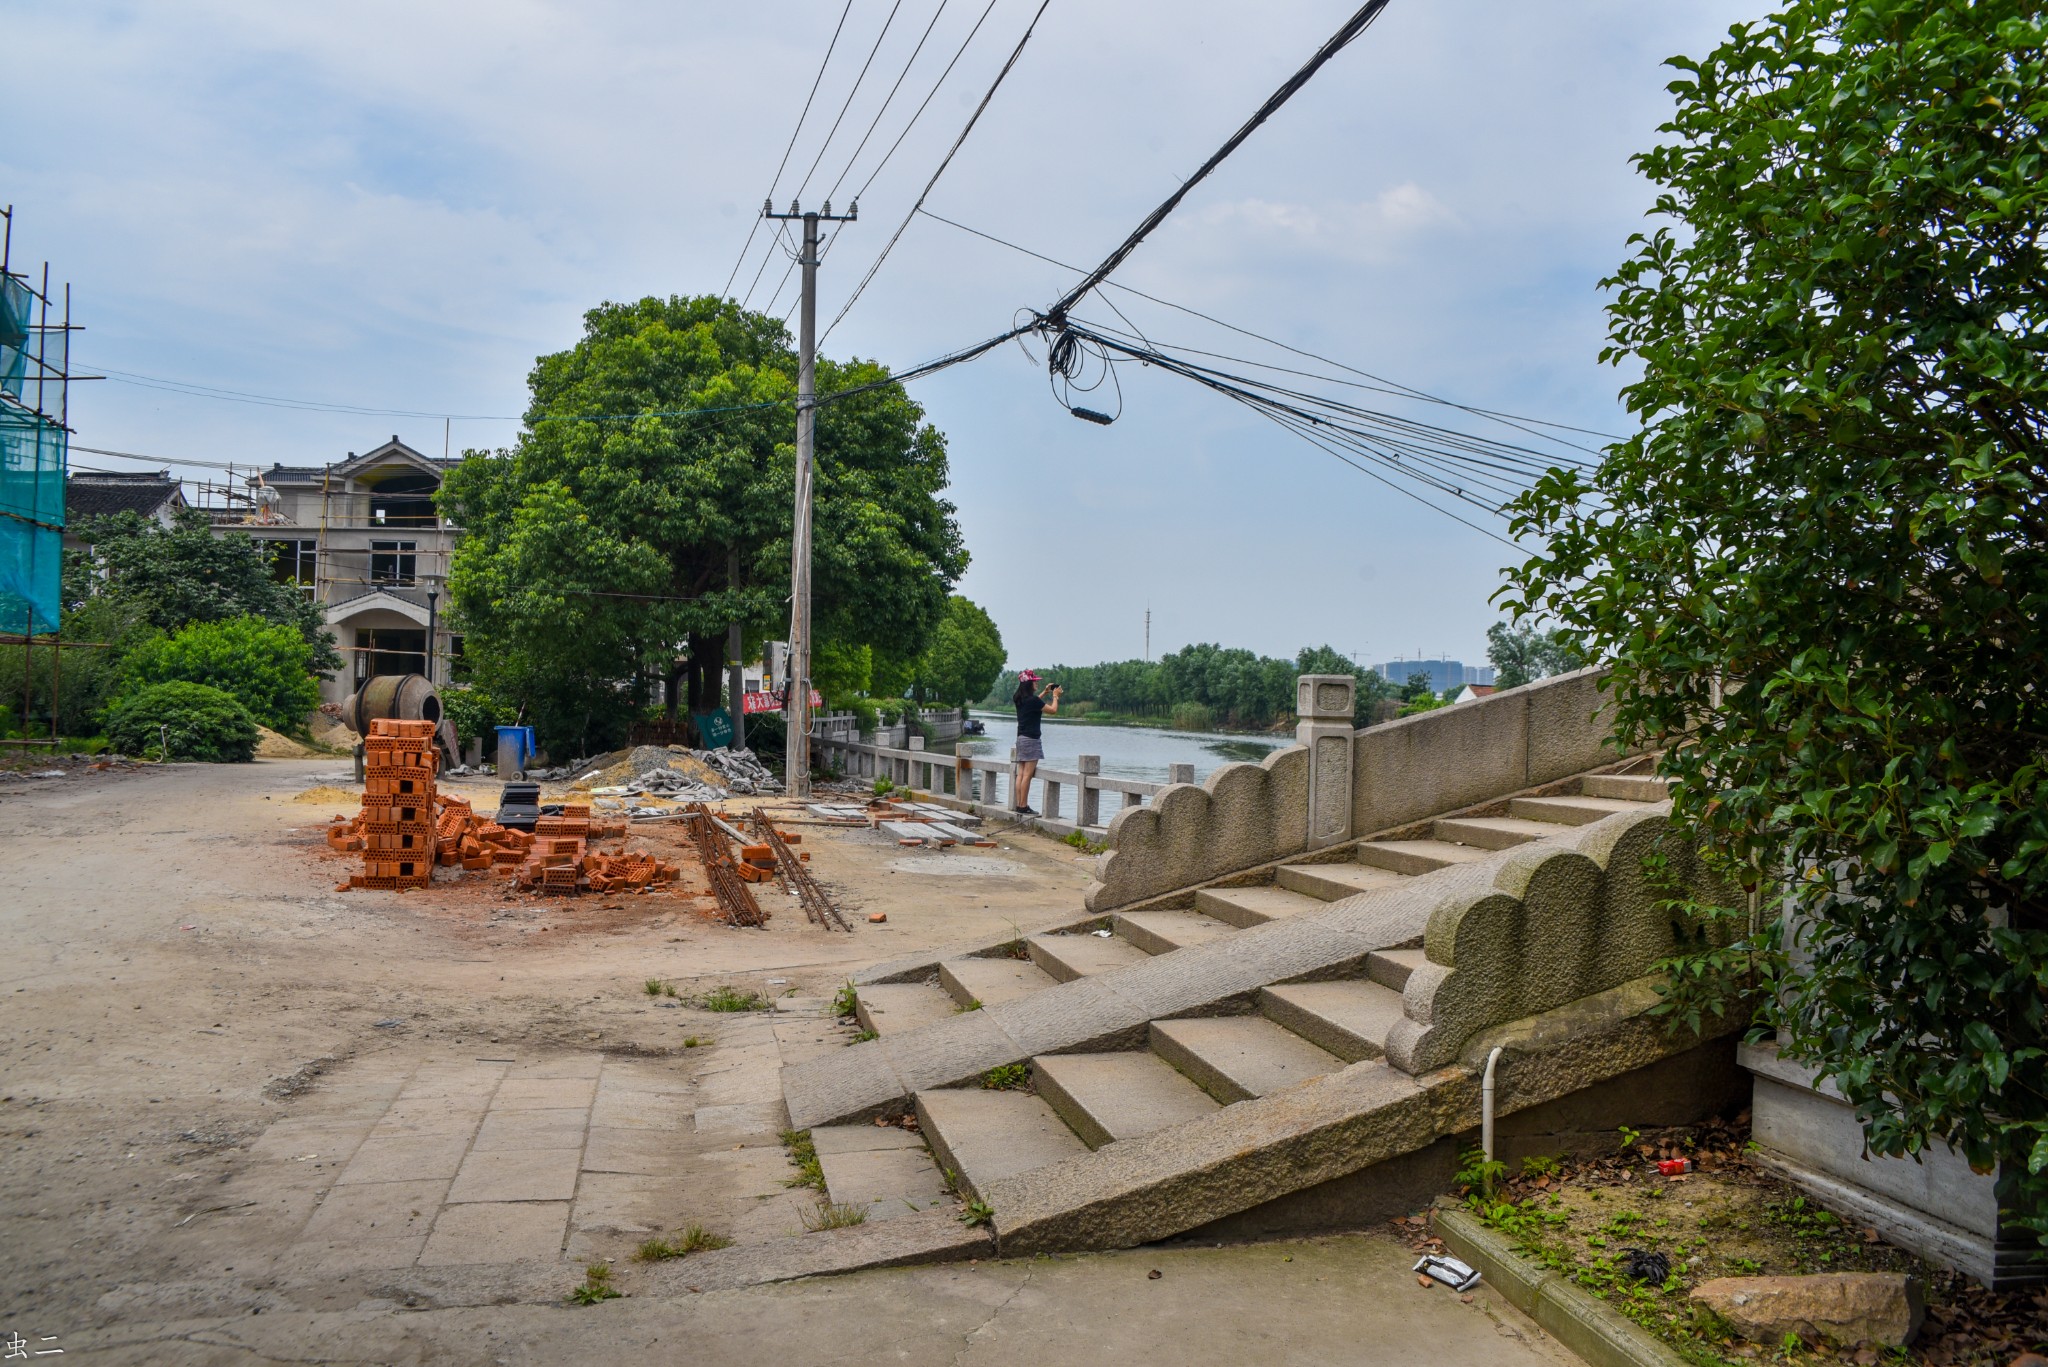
(1339, 1020)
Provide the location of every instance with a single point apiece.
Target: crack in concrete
(967, 1341)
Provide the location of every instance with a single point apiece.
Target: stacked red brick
(556, 858)
(398, 830)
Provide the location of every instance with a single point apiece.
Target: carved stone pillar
(1324, 703)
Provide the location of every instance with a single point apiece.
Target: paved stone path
(440, 1162)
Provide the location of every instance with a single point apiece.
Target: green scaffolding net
(32, 451)
(31, 520)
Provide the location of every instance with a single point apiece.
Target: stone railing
(1072, 798)
(1339, 784)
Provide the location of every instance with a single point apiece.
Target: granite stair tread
(881, 1168)
(1492, 832)
(1629, 787)
(1412, 857)
(1162, 932)
(1107, 1097)
(1249, 907)
(984, 1136)
(1236, 1058)
(1570, 811)
(992, 982)
(1333, 882)
(1349, 1019)
(1067, 957)
(1391, 967)
(892, 1008)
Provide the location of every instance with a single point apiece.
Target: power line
(887, 99)
(943, 164)
(1387, 385)
(1337, 43)
(727, 291)
(834, 131)
(919, 112)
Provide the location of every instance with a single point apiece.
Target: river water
(1133, 752)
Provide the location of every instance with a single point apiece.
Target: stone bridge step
(1162, 932)
(1249, 907)
(981, 1136)
(892, 1008)
(1333, 882)
(1412, 857)
(1570, 811)
(1631, 787)
(1349, 1019)
(881, 1168)
(1391, 967)
(1067, 957)
(1492, 832)
(992, 981)
(1107, 1097)
(1235, 1058)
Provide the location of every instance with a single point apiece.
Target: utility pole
(797, 701)
(1148, 633)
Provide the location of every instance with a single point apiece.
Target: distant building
(1444, 674)
(1473, 692)
(362, 538)
(151, 494)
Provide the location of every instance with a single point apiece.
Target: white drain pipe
(1486, 1104)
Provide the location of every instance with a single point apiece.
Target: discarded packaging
(1452, 1273)
(1673, 1167)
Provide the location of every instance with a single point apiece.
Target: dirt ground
(206, 1042)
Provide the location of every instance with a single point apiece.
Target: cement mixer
(401, 697)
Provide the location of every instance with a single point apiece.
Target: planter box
(1935, 1206)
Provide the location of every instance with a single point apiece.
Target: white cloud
(1380, 229)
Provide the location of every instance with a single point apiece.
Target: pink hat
(1028, 676)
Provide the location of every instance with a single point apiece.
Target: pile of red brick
(396, 829)
(556, 858)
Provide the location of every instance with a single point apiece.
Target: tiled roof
(104, 495)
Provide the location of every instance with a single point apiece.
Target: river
(1133, 752)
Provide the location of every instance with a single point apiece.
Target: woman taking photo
(1031, 704)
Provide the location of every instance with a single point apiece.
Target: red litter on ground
(1674, 1167)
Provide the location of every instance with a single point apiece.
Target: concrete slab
(1236, 1058)
(475, 1079)
(292, 1140)
(512, 1131)
(497, 1232)
(992, 981)
(427, 1115)
(750, 1119)
(894, 1181)
(558, 1066)
(1254, 906)
(375, 1210)
(1067, 957)
(1349, 1019)
(405, 1159)
(983, 1137)
(950, 1051)
(856, 1081)
(362, 1255)
(649, 1153)
(627, 1110)
(1107, 1097)
(544, 1093)
(548, 1175)
(892, 1008)
(1629, 787)
(1162, 932)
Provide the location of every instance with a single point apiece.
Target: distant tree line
(1200, 685)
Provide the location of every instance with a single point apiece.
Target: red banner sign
(754, 703)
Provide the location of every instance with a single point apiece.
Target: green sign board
(716, 728)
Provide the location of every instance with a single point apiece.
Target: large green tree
(964, 658)
(1523, 653)
(1820, 569)
(647, 507)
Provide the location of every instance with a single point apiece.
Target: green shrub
(476, 714)
(180, 720)
(265, 666)
(864, 708)
(1193, 716)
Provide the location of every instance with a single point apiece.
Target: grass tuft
(846, 1001)
(831, 1215)
(803, 1153)
(1010, 1077)
(730, 998)
(695, 1239)
(597, 1286)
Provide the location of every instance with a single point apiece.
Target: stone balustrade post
(1087, 797)
(1180, 773)
(1324, 704)
(1051, 809)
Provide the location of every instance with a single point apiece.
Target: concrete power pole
(797, 701)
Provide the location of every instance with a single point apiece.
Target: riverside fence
(1073, 799)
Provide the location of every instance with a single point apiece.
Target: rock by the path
(1851, 1308)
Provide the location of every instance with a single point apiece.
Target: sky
(385, 208)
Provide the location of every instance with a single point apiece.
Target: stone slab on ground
(893, 1008)
(1882, 1309)
(982, 1137)
(992, 981)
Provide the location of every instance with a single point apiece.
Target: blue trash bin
(515, 747)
